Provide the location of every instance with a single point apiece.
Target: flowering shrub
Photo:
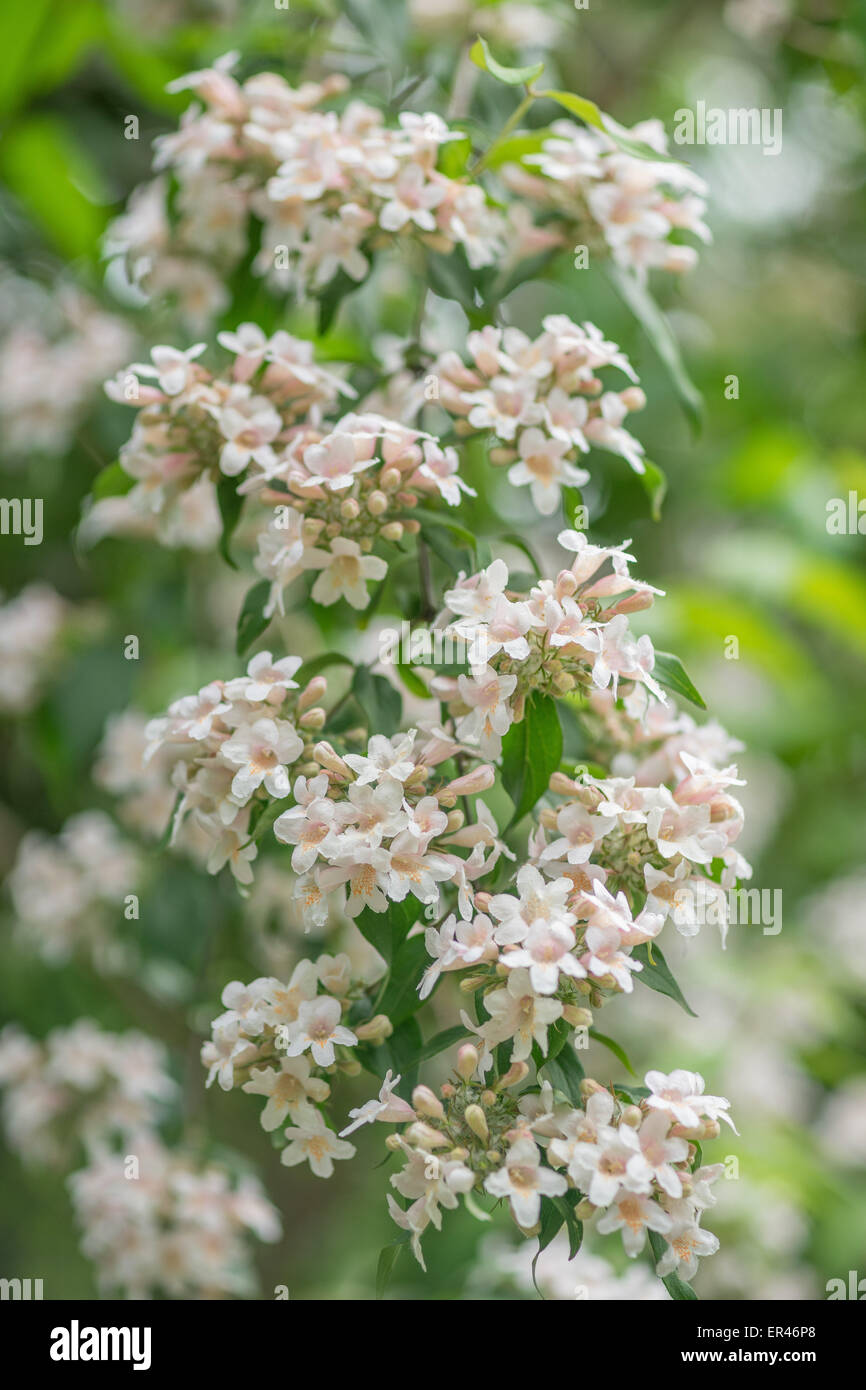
(487, 844)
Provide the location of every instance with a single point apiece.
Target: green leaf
(656, 975)
(669, 672)
(676, 1287)
(386, 931)
(413, 683)
(531, 751)
(565, 1073)
(613, 1047)
(440, 1042)
(591, 114)
(399, 999)
(657, 328)
(332, 296)
(230, 505)
(512, 150)
(251, 620)
(320, 663)
(655, 485)
(454, 156)
(111, 481)
(388, 1257)
(381, 703)
(514, 77)
(52, 173)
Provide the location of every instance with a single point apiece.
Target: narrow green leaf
(230, 505)
(670, 672)
(613, 1047)
(388, 1257)
(655, 485)
(381, 703)
(531, 751)
(588, 112)
(565, 1073)
(111, 481)
(513, 77)
(656, 975)
(321, 663)
(657, 328)
(251, 619)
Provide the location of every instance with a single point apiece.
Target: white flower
(345, 571)
(317, 1145)
(261, 752)
(546, 953)
(266, 679)
(289, 1089)
(524, 1180)
(658, 1153)
(385, 758)
(410, 199)
(517, 1012)
(386, 1107)
(686, 1242)
(171, 367)
(545, 469)
(318, 1028)
(632, 1213)
(681, 1094)
(489, 717)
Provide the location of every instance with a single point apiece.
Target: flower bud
(467, 1061)
(499, 457)
(377, 503)
(477, 1121)
(631, 1116)
(562, 785)
(456, 820)
(426, 1103)
(312, 691)
(576, 1016)
(313, 718)
(331, 760)
(487, 1098)
(375, 1029)
(393, 1143)
(389, 479)
(516, 1073)
(392, 531)
(412, 526)
(584, 1209)
(480, 779)
(446, 1090)
(633, 398)
(471, 983)
(588, 1087)
(422, 1136)
(350, 1066)
(350, 509)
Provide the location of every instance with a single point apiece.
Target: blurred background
(766, 602)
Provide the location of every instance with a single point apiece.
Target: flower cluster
(154, 1220)
(328, 189)
(32, 626)
(377, 826)
(231, 747)
(280, 1041)
(633, 1160)
(55, 348)
(657, 844)
(79, 1086)
(70, 890)
(613, 202)
(563, 638)
(543, 401)
(174, 1227)
(329, 491)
